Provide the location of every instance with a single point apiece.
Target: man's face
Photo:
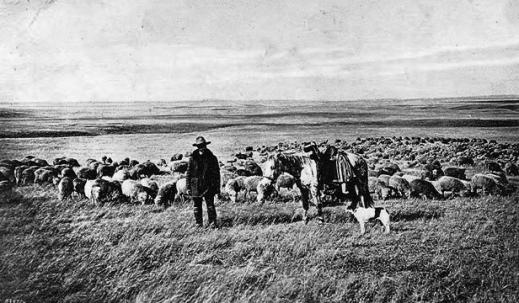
(201, 149)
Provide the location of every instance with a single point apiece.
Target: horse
(304, 169)
(356, 185)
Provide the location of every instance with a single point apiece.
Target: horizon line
(508, 97)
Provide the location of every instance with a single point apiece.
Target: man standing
(203, 181)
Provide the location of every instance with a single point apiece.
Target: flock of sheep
(400, 167)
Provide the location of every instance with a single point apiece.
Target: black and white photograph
(259, 151)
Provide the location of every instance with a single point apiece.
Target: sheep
(264, 189)
(285, 180)
(253, 168)
(181, 189)
(79, 187)
(423, 188)
(136, 192)
(68, 172)
(384, 191)
(65, 188)
(105, 170)
(28, 175)
(486, 183)
(86, 173)
(105, 191)
(153, 185)
(44, 176)
(451, 184)
(234, 186)
(401, 185)
(18, 173)
(455, 172)
(166, 194)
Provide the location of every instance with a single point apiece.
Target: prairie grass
(461, 249)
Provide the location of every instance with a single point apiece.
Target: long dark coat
(203, 174)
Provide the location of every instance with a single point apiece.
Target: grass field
(463, 250)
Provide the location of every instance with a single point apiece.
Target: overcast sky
(84, 50)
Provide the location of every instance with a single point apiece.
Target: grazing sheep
(153, 185)
(44, 176)
(451, 184)
(401, 185)
(65, 188)
(18, 173)
(181, 189)
(136, 192)
(264, 189)
(234, 186)
(166, 194)
(105, 170)
(455, 172)
(253, 168)
(384, 191)
(423, 188)
(79, 187)
(287, 181)
(86, 173)
(103, 191)
(486, 183)
(28, 175)
(250, 184)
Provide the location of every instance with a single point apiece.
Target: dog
(363, 215)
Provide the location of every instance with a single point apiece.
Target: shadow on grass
(418, 214)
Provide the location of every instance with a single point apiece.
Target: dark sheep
(253, 168)
(401, 185)
(68, 172)
(65, 188)
(166, 194)
(105, 170)
(79, 187)
(423, 188)
(487, 184)
(86, 173)
(384, 191)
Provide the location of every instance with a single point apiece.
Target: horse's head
(272, 167)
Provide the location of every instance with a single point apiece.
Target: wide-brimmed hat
(201, 141)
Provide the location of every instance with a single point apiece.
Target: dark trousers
(211, 210)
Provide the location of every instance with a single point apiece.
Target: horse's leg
(353, 194)
(304, 199)
(314, 189)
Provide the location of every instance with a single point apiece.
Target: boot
(211, 216)
(199, 219)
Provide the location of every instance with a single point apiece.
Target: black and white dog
(363, 215)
